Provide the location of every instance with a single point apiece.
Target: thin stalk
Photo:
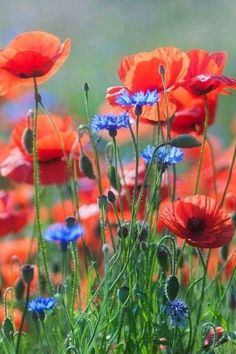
(23, 318)
(229, 177)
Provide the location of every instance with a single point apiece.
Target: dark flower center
(196, 225)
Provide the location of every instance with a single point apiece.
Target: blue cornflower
(110, 122)
(166, 155)
(63, 233)
(41, 304)
(177, 311)
(139, 98)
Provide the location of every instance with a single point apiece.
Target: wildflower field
(117, 229)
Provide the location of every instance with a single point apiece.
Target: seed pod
(114, 180)
(162, 257)
(27, 140)
(123, 293)
(86, 166)
(8, 329)
(19, 289)
(171, 287)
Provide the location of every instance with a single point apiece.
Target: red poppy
(205, 73)
(31, 55)
(51, 152)
(12, 216)
(141, 72)
(199, 220)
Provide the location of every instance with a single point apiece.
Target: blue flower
(40, 304)
(63, 233)
(166, 155)
(110, 122)
(177, 311)
(138, 98)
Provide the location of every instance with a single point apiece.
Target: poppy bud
(113, 178)
(27, 140)
(86, 166)
(185, 141)
(86, 87)
(138, 110)
(8, 329)
(209, 339)
(70, 221)
(162, 69)
(27, 272)
(232, 299)
(171, 287)
(111, 197)
(162, 257)
(141, 231)
(224, 252)
(123, 231)
(19, 289)
(123, 293)
(102, 201)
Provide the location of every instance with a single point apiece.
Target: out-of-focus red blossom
(31, 55)
(199, 220)
(218, 332)
(17, 315)
(141, 72)
(13, 214)
(51, 152)
(17, 249)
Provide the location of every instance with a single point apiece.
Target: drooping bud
(19, 289)
(171, 287)
(27, 140)
(8, 329)
(86, 166)
(27, 272)
(123, 293)
(209, 339)
(113, 178)
(162, 257)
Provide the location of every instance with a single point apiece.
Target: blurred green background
(102, 31)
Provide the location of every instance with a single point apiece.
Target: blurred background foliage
(102, 31)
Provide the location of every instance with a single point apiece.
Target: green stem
(37, 188)
(23, 318)
(203, 145)
(229, 177)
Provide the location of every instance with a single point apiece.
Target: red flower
(31, 55)
(205, 73)
(52, 165)
(199, 220)
(12, 219)
(141, 72)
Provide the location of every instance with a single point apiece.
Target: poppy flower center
(196, 225)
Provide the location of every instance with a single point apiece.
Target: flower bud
(102, 202)
(19, 289)
(123, 293)
(70, 221)
(86, 166)
(209, 339)
(171, 287)
(123, 231)
(162, 257)
(27, 272)
(138, 110)
(8, 329)
(27, 140)
(111, 197)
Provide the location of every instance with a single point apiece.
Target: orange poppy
(31, 55)
(141, 72)
(199, 220)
